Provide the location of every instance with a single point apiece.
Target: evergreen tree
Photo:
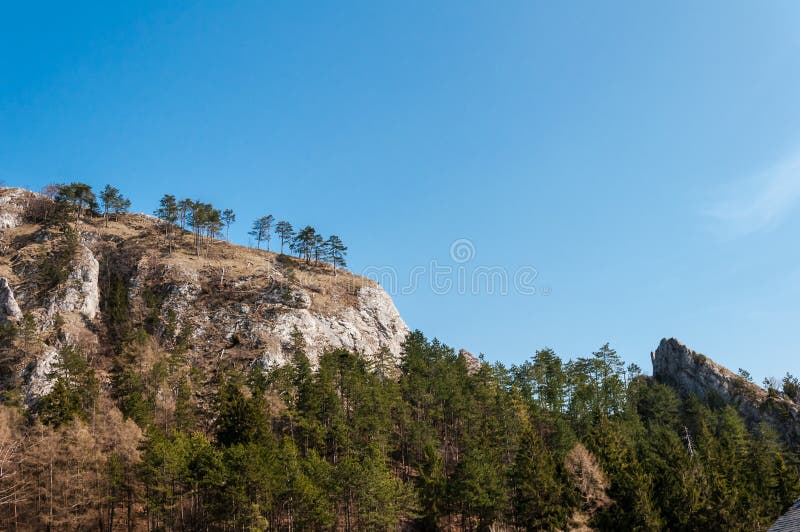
(303, 243)
(113, 202)
(540, 497)
(228, 217)
(336, 252)
(79, 196)
(285, 232)
(168, 213)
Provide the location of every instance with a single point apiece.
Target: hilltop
(93, 282)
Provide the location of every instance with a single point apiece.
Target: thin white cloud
(758, 203)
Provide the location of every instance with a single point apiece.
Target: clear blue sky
(644, 157)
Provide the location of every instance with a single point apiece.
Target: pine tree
(336, 252)
(113, 202)
(184, 207)
(285, 232)
(261, 230)
(539, 494)
(79, 196)
(304, 241)
(228, 217)
(168, 213)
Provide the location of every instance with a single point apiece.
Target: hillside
(230, 303)
(155, 379)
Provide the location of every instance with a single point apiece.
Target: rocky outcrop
(472, 362)
(81, 291)
(13, 202)
(372, 325)
(282, 294)
(228, 303)
(38, 376)
(692, 373)
(258, 313)
(9, 309)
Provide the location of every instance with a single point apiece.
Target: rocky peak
(692, 373)
(472, 362)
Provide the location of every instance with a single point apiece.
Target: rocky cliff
(692, 373)
(91, 285)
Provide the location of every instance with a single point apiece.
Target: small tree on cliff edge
(79, 196)
(228, 217)
(261, 230)
(336, 251)
(113, 202)
(168, 212)
(285, 231)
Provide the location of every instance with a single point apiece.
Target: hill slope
(93, 286)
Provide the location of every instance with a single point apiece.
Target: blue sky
(643, 157)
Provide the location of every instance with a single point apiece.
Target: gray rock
(691, 373)
(281, 294)
(38, 378)
(13, 202)
(81, 291)
(9, 309)
(373, 325)
(473, 363)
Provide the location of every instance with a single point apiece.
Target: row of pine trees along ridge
(207, 222)
(204, 220)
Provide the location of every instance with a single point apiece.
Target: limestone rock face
(281, 294)
(9, 309)
(81, 292)
(12, 206)
(473, 363)
(691, 373)
(260, 313)
(38, 381)
(367, 328)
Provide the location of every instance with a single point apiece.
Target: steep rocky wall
(692, 373)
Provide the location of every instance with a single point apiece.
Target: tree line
(306, 243)
(207, 222)
(74, 201)
(422, 443)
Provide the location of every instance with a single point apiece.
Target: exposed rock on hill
(473, 363)
(81, 292)
(9, 309)
(692, 373)
(13, 203)
(230, 303)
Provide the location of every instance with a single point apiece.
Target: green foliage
(79, 197)
(359, 445)
(113, 202)
(55, 267)
(541, 498)
(74, 391)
